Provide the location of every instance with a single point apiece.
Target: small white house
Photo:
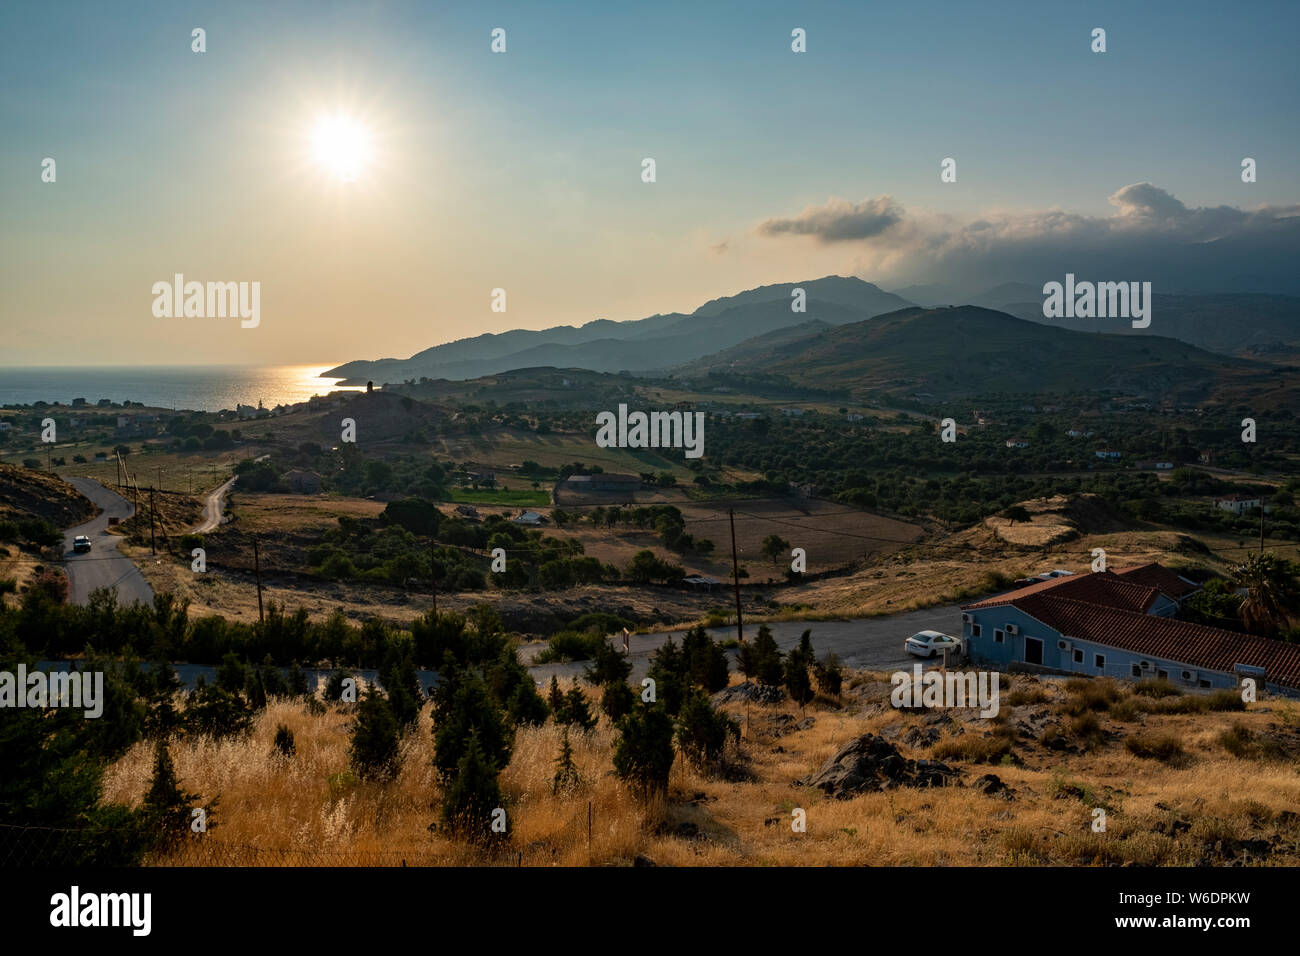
(1238, 504)
(1108, 453)
(1017, 442)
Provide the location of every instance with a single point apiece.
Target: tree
(467, 709)
(643, 755)
(167, 809)
(830, 675)
(1216, 604)
(797, 683)
(768, 667)
(1017, 513)
(374, 749)
(473, 793)
(1273, 596)
(576, 709)
(706, 662)
(702, 730)
(668, 669)
(566, 773)
(774, 546)
(555, 698)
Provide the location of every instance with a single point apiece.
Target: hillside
(1238, 324)
(29, 493)
(967, 350)
(653, 343)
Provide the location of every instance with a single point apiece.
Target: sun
(341, 145)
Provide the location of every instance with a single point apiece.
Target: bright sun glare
(341, 145)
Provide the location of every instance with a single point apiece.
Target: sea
(204, 388)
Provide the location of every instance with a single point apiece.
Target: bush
(1165, 749)
(284, 745)
(473, 793)
(1156, 687)
(643, 755)
(702, 731)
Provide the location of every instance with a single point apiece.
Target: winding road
(212, 508)
(104, 566)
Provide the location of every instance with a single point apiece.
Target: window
(1137, 671)
(1203, 683)
(1099, 662)
(998, 636)
(974, 630)
(1078, 656)
(1163, 675)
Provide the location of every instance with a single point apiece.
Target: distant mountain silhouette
(657, 342)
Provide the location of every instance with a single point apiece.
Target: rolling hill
(649, 344)
(967, 350)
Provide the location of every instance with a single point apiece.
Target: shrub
(473, 793)
(702, 730)
(973, 748)
(1156, 687)
(1165, 748)
(284, 744)
(643, 755)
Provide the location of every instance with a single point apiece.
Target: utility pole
(735, 575)
(152, 549)
(257, 571)
(117, 459)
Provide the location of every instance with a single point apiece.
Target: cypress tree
(702, 730)
(566, 774)
(374, 750)
(576, 709)
(470, 712)
(643, 756)
(472, 794)
(555, 698)
(769, 669)
(167, 808)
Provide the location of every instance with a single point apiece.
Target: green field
(486, 496)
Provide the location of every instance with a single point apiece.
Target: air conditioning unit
(1013, 628)
(966, 619)
(1063, 645)
(1189, 675)
(1145, 665)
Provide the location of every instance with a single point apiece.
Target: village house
(1239, 504)
(1017, 442)
(531, 518)
(1121, 624)
(1109, 454)
(302, 482)
(603, 482)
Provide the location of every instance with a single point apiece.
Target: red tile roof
(1105, 588)
(1200, 647)
(1156, 575)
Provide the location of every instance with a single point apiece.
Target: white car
(80, 543)
(932, 644)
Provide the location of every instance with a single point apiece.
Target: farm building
(603, 482)
(1121, 624)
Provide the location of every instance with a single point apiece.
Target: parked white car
(80, 543)
(932, 644)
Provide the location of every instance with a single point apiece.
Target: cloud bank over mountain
(1151, 236)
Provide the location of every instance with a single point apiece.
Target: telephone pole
(152, 549)
(735, 575)
(257, 572)
(117, 459)
(1261, 524)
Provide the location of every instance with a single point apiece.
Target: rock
(687, 831)
(870, 764)
(643, 861)
(750, 691)
(992, 786)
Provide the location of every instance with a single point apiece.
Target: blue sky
(522, 170)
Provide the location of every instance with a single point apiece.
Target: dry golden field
(1199, 806)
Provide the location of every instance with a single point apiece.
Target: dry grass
(1181, 799)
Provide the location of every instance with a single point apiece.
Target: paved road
(103, 565)
(874, 643)
(212, 508)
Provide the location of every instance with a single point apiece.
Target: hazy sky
(522, 170)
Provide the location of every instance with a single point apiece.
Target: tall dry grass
(1218, 802)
